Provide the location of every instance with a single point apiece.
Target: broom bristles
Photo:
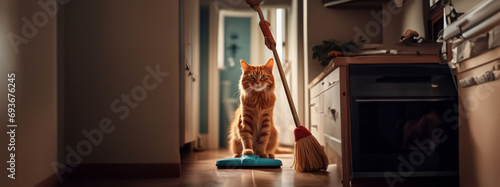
(309, 155)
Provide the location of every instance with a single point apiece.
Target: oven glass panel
(405, 134)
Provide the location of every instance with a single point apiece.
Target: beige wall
(35, 66)
(412, 17)
(465, 5)
(347, 23)
(333, 23)
(108, 46)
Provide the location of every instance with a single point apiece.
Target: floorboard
(198, 169)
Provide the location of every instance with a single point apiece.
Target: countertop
(375, 59)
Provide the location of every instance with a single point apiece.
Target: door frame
(259, 53)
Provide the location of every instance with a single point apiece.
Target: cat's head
(257, 78)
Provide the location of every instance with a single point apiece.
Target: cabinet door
(314, 91)
(333, 77)
(316, 109)
(331, 118)
(190, 54)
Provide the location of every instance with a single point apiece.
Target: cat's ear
(244, 65)
(269, 64)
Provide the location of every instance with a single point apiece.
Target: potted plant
(331, 48)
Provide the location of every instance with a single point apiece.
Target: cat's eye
(263, 77)
(252, 77)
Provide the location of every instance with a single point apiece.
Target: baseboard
(159, 170)
(50, 181)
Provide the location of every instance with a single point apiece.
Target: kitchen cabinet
(328, 98)
(478, 120)
(325, 110)
(475, 39)
(190, 83)
(330, 122)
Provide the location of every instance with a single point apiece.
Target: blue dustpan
(248, 162)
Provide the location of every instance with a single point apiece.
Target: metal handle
(334, 113)
(332, 83)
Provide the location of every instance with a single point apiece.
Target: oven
(401, 120)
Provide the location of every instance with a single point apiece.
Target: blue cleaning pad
(248, 162)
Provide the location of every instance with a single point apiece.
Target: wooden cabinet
(325, 111)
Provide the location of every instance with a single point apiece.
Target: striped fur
(252, 130)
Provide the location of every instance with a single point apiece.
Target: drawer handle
(334, 114)
(332, 83)
(314, 126)
(312, 104)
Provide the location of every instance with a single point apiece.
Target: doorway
(234, 34)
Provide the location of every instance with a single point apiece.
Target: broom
(309, 154)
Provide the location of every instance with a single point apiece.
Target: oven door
(414, 136)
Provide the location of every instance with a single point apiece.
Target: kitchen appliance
(402, 122)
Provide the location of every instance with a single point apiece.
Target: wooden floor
(198, 169)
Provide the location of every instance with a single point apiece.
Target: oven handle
(403, 100)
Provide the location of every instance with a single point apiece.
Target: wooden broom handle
(271, 44)
(287, 90)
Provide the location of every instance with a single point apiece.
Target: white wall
(109, 45)
(35, 66)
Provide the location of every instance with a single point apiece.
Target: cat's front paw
(247, 152)
(236, 156)
(271, 156)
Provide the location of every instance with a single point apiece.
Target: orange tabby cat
(252, 130)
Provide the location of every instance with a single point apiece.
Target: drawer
(331, 80)
(327, 82)
(314, 119)
(331, 118)
(314, 91)
(331, 102)
(332, 128)
(323, 85)
(334, 76)
(316, 127)
(316, 105)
